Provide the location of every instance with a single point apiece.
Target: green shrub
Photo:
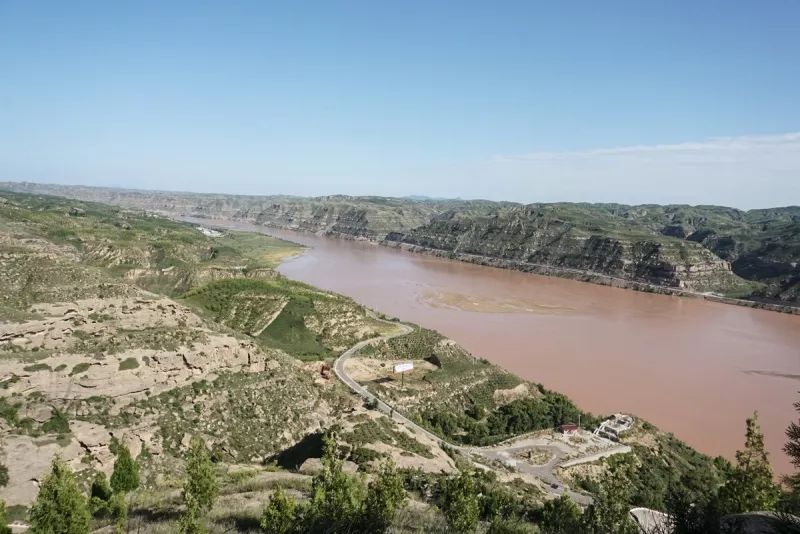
(128, 363)
(57, 424)
(99, 495)
(200, 489)
(37, 367)
(385, 496)
(8, 411)
(279, 515)
(80, 368)
(460, 502)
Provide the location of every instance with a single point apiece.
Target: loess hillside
(116, 325)
(710, 249)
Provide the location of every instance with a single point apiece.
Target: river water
(691, 367)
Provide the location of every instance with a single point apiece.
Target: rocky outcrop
(531, 240)
(147, 359)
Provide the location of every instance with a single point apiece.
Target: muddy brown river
(691, 367)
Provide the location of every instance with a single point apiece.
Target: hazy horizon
(411, 196)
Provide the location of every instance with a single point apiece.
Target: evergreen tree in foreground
(4, 528)
(750, 486)
(279, 516)
(60, 507)
(336, 497)
(125, 477)
(692, 512)
(561, 516)
(385, 496)
(338, 502)
(610, 512)
(792, 449)
(200, 489)
(789, 515)
(460, 503)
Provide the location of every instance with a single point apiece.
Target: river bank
(532, 268)
(690, 365)
(590, 277)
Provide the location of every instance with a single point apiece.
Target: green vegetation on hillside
(465, 399)
(111, 244)
(106, 366)
(278, 313)
(619, 241)
(665, 245)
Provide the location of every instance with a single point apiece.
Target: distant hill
(746, 254)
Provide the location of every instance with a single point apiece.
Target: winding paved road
(504, 453)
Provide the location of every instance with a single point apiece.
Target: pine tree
(792, 449)
(610, 511)
(460, 503)
(561, 516)
(335, 497)
(60, 507)
(4, 528)
(384, 497)
(200, 489)
(750, 486)
(99, 495)
(125, 477)
(279, 515)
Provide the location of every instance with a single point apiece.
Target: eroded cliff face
(724, 250)
(341, 216)
(761, 245)
(529, 239)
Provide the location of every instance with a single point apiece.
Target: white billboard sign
(402, 367)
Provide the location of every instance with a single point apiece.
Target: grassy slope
(303, 321)
(459, 398)
(160, 255)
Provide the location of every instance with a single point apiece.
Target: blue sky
(673, 101)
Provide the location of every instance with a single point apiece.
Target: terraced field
(286, 315)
